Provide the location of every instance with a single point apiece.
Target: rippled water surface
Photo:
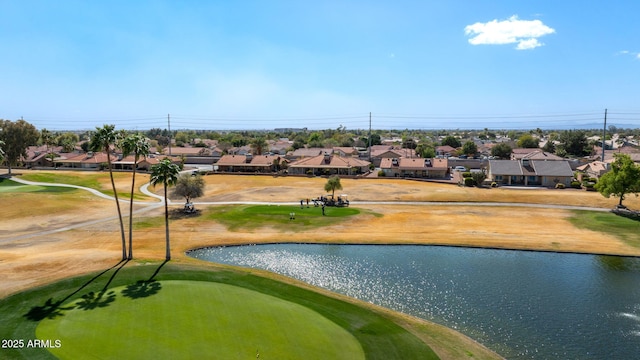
(523, 305)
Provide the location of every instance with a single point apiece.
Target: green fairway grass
(90, 181)
(625, 229)
(94, 181)
(7, 186)
(192, 319)
(256, 216)
(178, 311)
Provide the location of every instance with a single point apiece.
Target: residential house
(250, 163)
(37, 156)
(85, 161)
(527, 172)
(144, 162)
(346, 151)
(594, 169)
(242, 150)
(533, 154)
(307, 152)
(280, 146)
(195, 155)
(632, 151)
(329, 164)
(445, 151)
(415, 167)
(380, 153)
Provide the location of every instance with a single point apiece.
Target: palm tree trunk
(133, 184)
(166, 222)
(115, 195)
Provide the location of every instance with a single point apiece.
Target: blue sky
(267, 64)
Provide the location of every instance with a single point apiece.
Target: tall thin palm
(1, 151)
(102, 140)
(138, 145)
(47, 139)
(165, 172)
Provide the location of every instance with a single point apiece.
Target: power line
(354, 121)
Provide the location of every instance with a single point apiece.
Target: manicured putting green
(180, 319)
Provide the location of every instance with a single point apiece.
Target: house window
(532, 179)
(498, 177)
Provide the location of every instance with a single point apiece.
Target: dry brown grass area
(285, 189)
(29, 261)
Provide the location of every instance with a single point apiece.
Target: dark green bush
(468, 181)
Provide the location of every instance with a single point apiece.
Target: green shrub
(494, 184)
(381, 173)
(466, 174)
(468, 181)
(574, 184)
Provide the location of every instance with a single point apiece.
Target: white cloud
(636, 55)
(511, 31)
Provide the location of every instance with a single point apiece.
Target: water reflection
(524, 305)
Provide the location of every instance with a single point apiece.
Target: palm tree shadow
(52, 309)
(93, 300)
(144, 288)
(49, 310)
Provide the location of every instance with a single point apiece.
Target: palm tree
(333, 184)
(102, 140)
(47, 139)
(1, 151)
(138, 145)
(259, 145)
(165, 172)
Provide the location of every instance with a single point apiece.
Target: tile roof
(536, 167)
(311, 152)
(227, 160)
(333, 161)
(414, 164)
(533, 154)
(88, 158)
(595, 166)
(552, 168)
(505, 167)
(445, 149)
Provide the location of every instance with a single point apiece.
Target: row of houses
(89, 161)
(527, 167)
(322, 164)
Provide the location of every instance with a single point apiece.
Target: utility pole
(369, 136)
(169, 125)
(604, 133)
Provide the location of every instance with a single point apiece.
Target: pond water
(523, 305)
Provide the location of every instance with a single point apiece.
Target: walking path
(144, 189)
